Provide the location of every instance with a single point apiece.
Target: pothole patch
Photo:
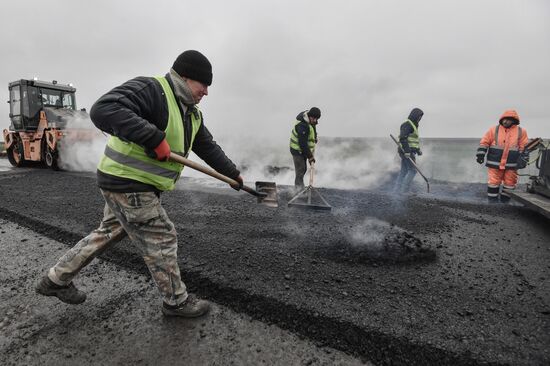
(376, 241)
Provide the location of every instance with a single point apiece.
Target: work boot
(492, 200)
(68, 294)
(193, 307)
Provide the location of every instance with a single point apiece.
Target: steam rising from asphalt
(351, 163)
(340, 163)
(82, 146)
(370, 233)
(82, 156)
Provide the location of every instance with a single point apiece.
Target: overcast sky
(365, 64)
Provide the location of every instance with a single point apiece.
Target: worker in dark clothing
(147, 118)
(302, 142)
(410, 147)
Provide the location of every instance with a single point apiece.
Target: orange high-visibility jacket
(503, 146)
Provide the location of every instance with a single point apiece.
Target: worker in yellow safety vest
(303, 139)
(147, 118)
(409, 142)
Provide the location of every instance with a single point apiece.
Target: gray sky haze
(365, 64)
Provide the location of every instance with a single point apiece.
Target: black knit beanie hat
(195, 66)
(314, 112)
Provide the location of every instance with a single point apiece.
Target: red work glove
(239, 180)
(162, 151)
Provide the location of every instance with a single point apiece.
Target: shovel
(266, 192)
(411, 161)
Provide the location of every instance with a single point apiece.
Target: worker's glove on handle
(480, 159)
(419, 152)
(161, 152)
(240, 182)
(311, 161)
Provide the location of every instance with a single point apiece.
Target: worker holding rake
(409, 147)
(147, 118)
(303, 138)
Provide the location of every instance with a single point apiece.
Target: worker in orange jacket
(503, 144)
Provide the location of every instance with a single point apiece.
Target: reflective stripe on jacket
(503, 146)
(129, 160)
(294, 143)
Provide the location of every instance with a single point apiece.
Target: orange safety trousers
(509, 177)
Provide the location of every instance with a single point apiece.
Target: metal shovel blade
(270, 189)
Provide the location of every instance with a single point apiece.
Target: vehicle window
(57, 98)
(24, 101)
(35, 103)
(51, 98)
(15, 101)
(68, 101)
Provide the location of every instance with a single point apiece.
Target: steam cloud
(82, 146)
(370, 233)
(343, 163)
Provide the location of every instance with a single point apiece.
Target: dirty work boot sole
(68, 294)
(191, 308)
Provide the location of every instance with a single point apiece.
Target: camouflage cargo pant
(142, 218)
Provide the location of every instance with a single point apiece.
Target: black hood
(416, 115)
(300, 117)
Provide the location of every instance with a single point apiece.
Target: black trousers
(300, 168)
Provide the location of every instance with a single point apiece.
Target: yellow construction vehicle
(42, 115)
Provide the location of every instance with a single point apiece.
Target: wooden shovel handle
(201, 168)
(211, 172)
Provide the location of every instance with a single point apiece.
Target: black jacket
(137, 111)
(406, 129)
(302, 129)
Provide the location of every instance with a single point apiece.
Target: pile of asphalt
(397, 280)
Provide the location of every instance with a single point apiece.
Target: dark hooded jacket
(137, 111)
(302, 129)
(406, 129)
